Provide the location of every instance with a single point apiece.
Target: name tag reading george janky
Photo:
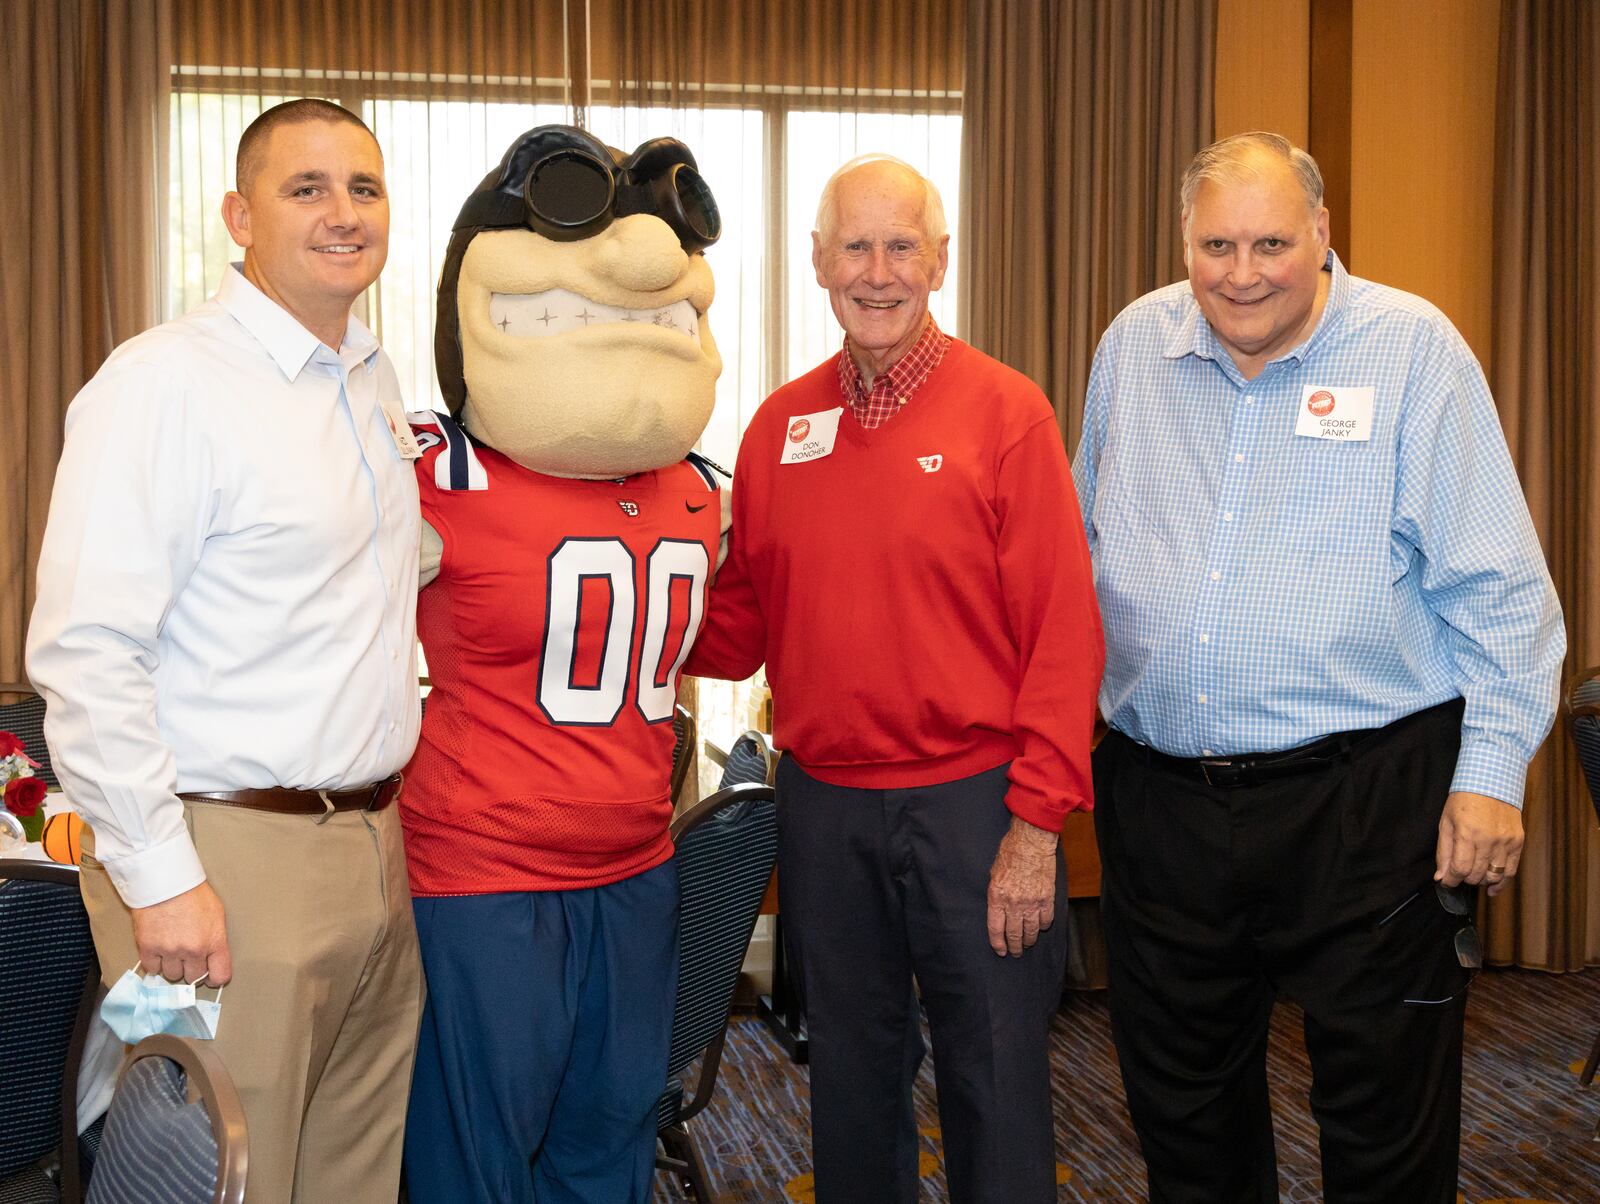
(811, 436)
(1335, 413)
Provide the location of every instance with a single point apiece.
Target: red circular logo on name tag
(798, 430)
(1320, 403)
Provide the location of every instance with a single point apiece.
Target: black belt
(1250, 769)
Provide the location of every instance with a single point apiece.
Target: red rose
(23, 796)
(9, 744)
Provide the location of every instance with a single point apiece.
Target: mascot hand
(430, 554)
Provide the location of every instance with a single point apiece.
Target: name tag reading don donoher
(1327, 412)
(810, 436)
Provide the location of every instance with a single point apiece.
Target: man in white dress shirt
(224, 635)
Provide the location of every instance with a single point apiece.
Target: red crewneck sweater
(922, 595)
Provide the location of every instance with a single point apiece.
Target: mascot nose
(641, 253)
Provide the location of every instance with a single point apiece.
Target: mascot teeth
(558, 310)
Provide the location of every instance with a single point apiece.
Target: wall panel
(1422, 152)
(1262, 77)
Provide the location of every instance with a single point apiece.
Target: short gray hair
(933, 222)
(1228, 159)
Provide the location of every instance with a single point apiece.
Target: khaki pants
(319, 1025)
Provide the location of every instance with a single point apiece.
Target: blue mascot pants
(543, 1049)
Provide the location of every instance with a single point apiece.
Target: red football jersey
(555, 632)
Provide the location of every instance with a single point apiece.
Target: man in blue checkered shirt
(1332, 649)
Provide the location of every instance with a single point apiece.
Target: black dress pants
(1318, 887)
(877, 886)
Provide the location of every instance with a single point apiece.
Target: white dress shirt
(227, 587)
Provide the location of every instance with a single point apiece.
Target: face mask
(139, 1007)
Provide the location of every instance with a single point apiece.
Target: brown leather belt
(285, 801)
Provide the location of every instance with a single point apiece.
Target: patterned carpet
(1527, 1129)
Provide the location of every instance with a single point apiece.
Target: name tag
(404, 441)
(810, 436)
(1327, 412)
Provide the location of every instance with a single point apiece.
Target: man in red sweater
(908, 561)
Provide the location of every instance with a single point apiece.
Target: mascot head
(571, 331)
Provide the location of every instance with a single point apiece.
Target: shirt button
(1238, 457)
(1227, 516)
(1216, 576)
(1206, 752)
(391, 726)
(1202, 698)
(1249, 400)
(1204, 638)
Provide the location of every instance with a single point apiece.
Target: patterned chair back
(159, 1146)
(46, 958)
(726, 846)
(1583, 721)
(25, 721)
(749, 760)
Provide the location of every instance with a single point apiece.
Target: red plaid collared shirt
(895, 386)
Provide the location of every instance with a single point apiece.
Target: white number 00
(580, 560)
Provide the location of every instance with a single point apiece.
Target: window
(765, 157)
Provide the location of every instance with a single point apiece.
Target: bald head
(882, 172)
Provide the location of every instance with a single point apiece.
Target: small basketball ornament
(63, 837)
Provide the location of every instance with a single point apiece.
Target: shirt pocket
(1334, 499)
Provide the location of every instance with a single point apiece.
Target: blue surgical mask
(138, 1006)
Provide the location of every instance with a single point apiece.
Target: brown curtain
(476, 42)
(79, 245)
(673, 51)
(1080, 117)
(1546, 371)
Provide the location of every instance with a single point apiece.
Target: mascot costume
(570, 536)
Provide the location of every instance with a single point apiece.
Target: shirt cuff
(156, 874)
(1032, 807)
(1486, 766)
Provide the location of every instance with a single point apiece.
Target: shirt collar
(1193, 336)
(905, 375)
(290, 344)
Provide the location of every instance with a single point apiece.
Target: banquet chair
(684, 731)
(1582, 705)
(726, 846)
(751, 759)
(158, 1145)
(25, 721)
(49, 979)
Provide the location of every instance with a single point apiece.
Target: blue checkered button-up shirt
(1261, 589)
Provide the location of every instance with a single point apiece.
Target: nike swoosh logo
(695, 509)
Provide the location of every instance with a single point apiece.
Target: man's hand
(1480, 840)
(185, 937)
(1022, 888)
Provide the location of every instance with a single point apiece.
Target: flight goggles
(565, 184)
